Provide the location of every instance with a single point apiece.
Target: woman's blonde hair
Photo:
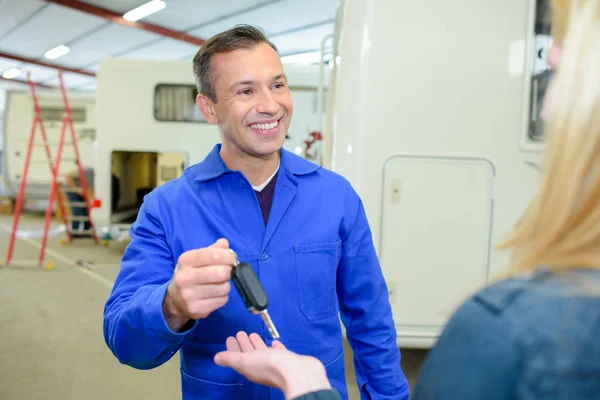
(561, 227)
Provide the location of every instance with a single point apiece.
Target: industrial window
(53, 114)
(176, 103)
(541, 74)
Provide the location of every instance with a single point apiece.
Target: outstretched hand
(273, 366)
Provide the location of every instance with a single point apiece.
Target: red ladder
(67, 123)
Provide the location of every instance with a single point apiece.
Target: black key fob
(249, 287)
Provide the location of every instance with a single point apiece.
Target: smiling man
(302, 228)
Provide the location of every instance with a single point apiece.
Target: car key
(252, 293)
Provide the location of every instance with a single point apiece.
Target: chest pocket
(316, 266)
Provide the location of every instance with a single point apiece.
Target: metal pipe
(320, 88)
(26, 83)
(45, 64)
(118, 19)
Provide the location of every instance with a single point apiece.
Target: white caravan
(19, 115)
(433, 124)
(150, 129)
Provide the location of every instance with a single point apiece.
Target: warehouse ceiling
(92, 30)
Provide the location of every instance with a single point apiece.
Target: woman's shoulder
(540, 286)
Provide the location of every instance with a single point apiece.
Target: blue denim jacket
(535, 337)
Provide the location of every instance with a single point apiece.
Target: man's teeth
(264, 127)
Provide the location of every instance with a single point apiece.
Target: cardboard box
(7, 206)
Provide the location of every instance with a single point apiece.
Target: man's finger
(203, 307)
(206, 291)
(214, 274)
(207, 256)
(257, 341)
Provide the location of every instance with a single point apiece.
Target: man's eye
(278, 86)
(245, 91)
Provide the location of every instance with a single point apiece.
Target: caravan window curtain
(176, 103)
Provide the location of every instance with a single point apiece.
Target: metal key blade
(269, 323)
(252, 293)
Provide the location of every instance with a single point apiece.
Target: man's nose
(266, 103)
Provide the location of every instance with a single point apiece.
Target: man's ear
(206, 107)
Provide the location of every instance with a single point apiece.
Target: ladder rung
(40, 162)
(71, 189)
(69, 159)
(50, 144)
(77, 218)
(82, 232)
(76, 203)
(40, 181)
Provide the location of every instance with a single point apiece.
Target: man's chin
(266, 150)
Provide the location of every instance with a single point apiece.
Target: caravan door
(170, 166)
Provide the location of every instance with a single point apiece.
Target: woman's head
(561, 227)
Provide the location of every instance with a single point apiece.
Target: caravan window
(176, 103)
(541, 73)
(53, 114)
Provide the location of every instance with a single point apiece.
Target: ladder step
(82, 232)
(40, 181)
(77, 218)
(50, 144)
(67, 159)
(76, 204)
(40, 162)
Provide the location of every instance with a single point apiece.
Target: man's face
(254, 106)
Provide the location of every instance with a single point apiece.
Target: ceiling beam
(15, 80)
(45, 64)
(118, 19)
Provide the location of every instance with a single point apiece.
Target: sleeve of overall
(366, 311)
(135, 329)
(474, 358)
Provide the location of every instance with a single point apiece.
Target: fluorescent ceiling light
(144, 10)
(11, 73)
(56, 52)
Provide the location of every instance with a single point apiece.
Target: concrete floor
(51, 344)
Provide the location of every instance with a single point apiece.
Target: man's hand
(200, 284)
(273, 366)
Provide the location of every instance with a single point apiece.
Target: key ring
(236, 262)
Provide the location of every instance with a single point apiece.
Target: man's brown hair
(238, 37)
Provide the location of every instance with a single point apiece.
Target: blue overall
(315, 258)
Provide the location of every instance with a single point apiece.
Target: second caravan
(150, 129)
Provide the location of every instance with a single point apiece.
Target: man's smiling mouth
(266, 126)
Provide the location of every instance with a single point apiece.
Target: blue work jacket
(315, 258)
